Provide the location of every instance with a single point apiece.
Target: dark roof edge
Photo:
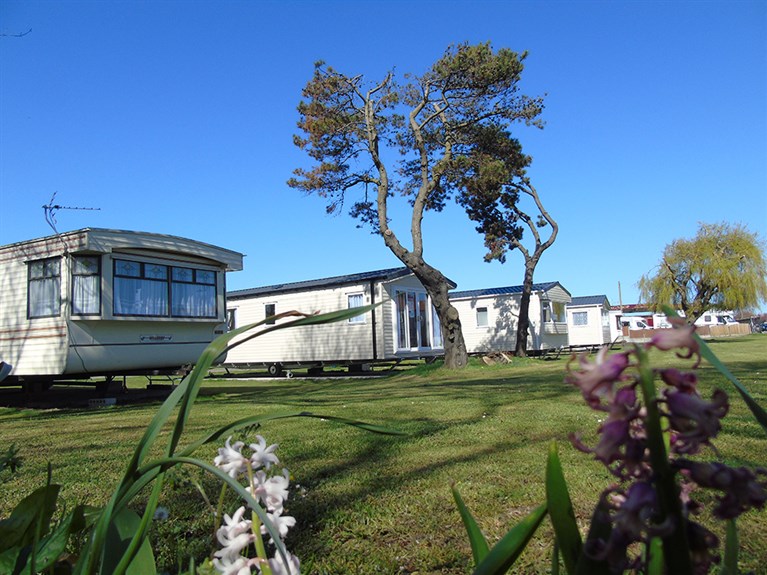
(508, 290)
(385, 274)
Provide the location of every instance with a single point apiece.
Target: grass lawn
(367, 503)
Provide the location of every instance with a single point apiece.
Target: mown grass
(368, 503)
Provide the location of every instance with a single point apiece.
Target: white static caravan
(108, 302)
(588, 321)
(403, 326)
(489, 317)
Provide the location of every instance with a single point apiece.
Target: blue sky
(178, 117)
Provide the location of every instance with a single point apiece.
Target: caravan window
(152, 289)
(553, 311)
(355, 300)
(580, 318)
(414, 328)
(481, 317)
(86, 285)
(270, 310)
(140, 289)
(193, 293)
(231, 319)
(44, 288)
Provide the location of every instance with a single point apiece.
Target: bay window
(157, 290)
(86, 285)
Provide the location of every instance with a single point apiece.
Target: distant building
(489, 317)
(588, 320)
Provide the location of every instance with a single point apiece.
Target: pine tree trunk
(523, 326)
(456, 355)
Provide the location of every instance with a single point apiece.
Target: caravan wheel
(274, 369)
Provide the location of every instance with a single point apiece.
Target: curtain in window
(86, 294)
(355, 300)
(193, 300)
(423, 320)
(44, 297)
(140, 297)
(402, 320)
(437, 328)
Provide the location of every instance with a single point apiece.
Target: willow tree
(384, 140)
(722, 267)
(497, 194)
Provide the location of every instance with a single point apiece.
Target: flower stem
(676, 547)
(258, 539)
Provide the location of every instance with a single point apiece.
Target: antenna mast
(50, 212)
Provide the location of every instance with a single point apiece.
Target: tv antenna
(50, 211)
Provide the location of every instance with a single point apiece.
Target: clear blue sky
(177, 117)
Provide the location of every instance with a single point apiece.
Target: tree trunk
(456, 355)
(523, 326)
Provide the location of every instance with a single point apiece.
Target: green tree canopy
(722, 267)
(491, 176)
(382, 139)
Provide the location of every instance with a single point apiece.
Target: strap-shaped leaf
(183, 396)
(654, 552)
(759, 414)
(258, 419)
(561, 511)
(479, 547)
(705, 351)
(731, 545)
(504, 553)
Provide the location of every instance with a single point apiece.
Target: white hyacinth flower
(272, 491)
(280, 522)
(263, 456)
(230, 458)
(237, 566)
(279, 567)
(234, 536)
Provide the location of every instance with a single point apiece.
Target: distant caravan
(403, 326)
(98, 302)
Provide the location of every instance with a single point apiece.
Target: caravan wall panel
(340, 341)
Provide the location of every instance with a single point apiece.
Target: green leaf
(561, 511)
(731, 545)
(52, 546)
(19, 529)
(504, 553)
(119, 535)
(479, 547)
(258, 419)
(13, 559)
(184, 396)
(758, 412)
(705, 351)
(655, 561)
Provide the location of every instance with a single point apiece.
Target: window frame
(267, 313)
(44, 278)
(199, 276)
(481, 312)
(231, 319)
(357, 319)
(414, 321)
(75, 274)
(580, 315)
